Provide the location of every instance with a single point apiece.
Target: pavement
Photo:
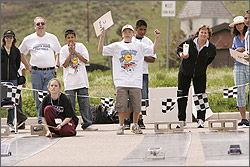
(191, 147)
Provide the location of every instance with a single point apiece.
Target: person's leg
(68, 129)
(36, 78)
(84, 107)
(183, 88)
(121, 105)
(21, 117)
(241, 76)
(200, 87)
(144, 93)
(50, 115)
(11, 111)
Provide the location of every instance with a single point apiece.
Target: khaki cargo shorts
(122, 96)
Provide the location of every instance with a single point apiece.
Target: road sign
(168, 9)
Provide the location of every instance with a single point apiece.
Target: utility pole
(87, 14)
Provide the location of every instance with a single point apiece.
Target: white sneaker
(200, 123)
(184, 124)
(120, 130)
(136, 129)
(91, 128)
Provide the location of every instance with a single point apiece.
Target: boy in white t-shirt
(127, 58)
(73, 57)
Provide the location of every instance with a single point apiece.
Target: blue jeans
(11, 111)
(144, 91)
(83, 102)
(40, 80)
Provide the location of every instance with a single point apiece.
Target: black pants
(20, 115)
(184, 82)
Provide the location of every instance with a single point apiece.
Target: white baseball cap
(237, 20)
(127, 26)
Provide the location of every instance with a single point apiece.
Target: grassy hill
(62, 15)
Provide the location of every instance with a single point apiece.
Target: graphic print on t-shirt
(127, 61)
(42, 46)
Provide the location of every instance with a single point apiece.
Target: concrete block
(222, 124)
(6, 131)
(170, 126)
(41, 132)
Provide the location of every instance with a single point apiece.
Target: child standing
(127, 58)
(73, 57)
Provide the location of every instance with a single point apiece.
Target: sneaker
(184, 124)
(141, 124)
(243, 122)
(120, 130)
(12, 128)
(91, 128)
(136, 129)
(21, 125)
(200, 123)
(127, 123)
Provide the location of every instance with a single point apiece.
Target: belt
(43, 69)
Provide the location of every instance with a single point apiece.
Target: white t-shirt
(147, 41)
(22, 66)
(127, 62)
(75, 75)
(41, 49)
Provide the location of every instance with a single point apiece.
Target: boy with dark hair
(73, 57)
(141, 30)
(127, 58)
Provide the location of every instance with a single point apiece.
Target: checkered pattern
(107, 102)
(143, 107)
(14, 93)
(168, 104)
(230, 92)
(42, 94)
(201, 102)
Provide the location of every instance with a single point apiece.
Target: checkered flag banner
(14, 93)
(107, 102)
(143, 107)
(230, 92)
(42, 94)
(201, 102)
(168, 104)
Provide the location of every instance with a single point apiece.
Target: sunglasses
(42, 23)
(8, 37)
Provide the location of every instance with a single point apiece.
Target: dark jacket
(8, 72)
(196, 64)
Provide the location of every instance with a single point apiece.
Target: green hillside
(62, 15)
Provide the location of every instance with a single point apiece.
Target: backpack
(102, 116)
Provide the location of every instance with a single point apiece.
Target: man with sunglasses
(42, 47)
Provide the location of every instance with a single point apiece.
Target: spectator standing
(127, 58)
(241, 71)
(73, 57)
(193, 67)
(10, 63)
(43, 67)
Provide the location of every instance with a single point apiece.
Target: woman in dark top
(10, 63)
(193, 66)
(57, 113)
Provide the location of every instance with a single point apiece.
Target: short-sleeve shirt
(147, 41)
(127, 61)
(41, 49)
(78, 78)
(237, 43)
(63, 103)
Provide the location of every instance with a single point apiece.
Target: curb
(215, 116)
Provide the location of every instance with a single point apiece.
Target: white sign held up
(238, 56)
(105, 21)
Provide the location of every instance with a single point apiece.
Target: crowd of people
(130, 58)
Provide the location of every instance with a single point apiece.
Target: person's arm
(57, 62)
(65, 121)
(101, 41)
(157, 36)
(25, 62)
(24, 74)
(48, 133)
(79, 56)
(149, 59)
